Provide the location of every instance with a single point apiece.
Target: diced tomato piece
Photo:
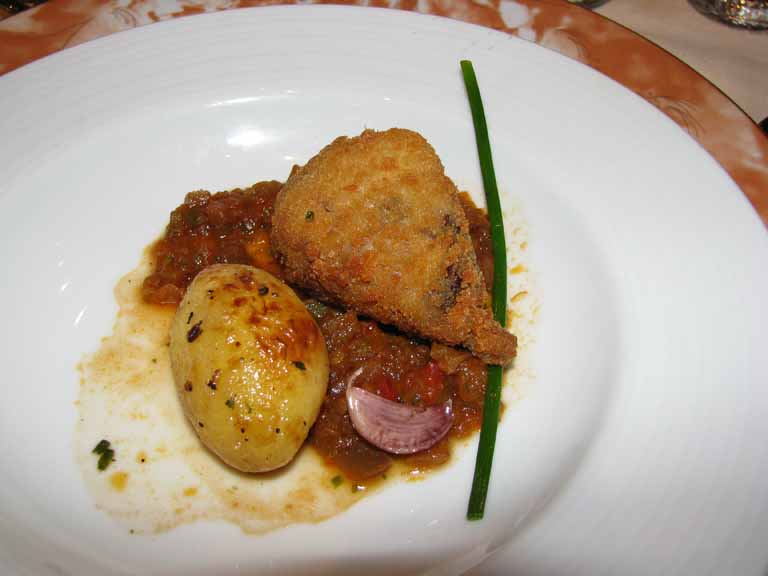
(384, 387)
(424, 385)
(432, 381)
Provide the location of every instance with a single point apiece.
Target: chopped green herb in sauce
(337, 481)
(101, 447)
(106, 454)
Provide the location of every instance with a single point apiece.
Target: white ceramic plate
(640, 447)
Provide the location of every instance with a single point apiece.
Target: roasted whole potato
(250, 366)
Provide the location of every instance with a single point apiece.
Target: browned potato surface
(250, 366)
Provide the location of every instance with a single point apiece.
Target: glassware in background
(11, 7)
(746, 13)
(588, 3)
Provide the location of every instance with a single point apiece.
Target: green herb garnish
(317, 309)
(101, 447)
(105, 452)
(337, 481)
(299, 364)
(490, 424)
(309, 215)
(106, 459)
(230, 403)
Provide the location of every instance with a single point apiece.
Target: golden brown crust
(373, 222)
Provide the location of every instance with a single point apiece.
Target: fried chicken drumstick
(373, 223)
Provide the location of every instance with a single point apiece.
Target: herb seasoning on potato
(251, 369)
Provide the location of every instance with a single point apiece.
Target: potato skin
(250, 366)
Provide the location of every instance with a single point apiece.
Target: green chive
(299, 364)
(337, 481)
(230, 403)
(487, 441)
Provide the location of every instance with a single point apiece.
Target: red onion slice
(394, 427)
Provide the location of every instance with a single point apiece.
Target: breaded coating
(373, 223)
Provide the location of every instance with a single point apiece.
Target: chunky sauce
(227, 227)
(233, 227)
